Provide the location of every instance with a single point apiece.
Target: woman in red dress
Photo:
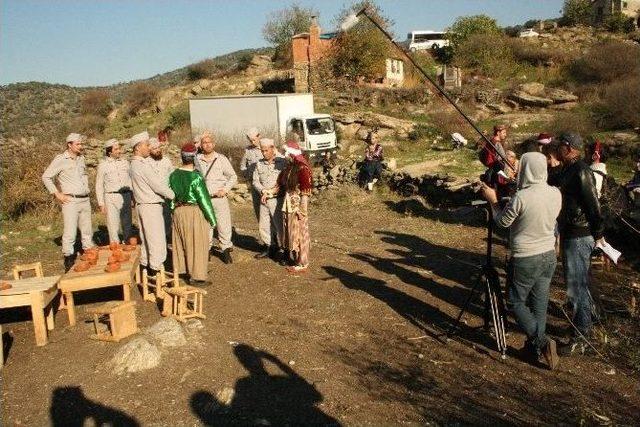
(296, 182)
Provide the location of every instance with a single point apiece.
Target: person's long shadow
(420, 314)
(260, 398)
(70, 408)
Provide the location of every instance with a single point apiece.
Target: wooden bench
(121, 317)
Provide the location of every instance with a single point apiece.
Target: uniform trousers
(118, 206)
(223, 225)
(76, 214)
(270, 221)
(190, 244)
(154, 243)
(255, 198)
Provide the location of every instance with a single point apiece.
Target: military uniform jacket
(71, 174)
(112, 176)
(147, 185)
(217, 173)
(252, 155)
(163, 167)
(265, 176)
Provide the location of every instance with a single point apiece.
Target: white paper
(609, 251)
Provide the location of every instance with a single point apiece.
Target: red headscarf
(293, 149)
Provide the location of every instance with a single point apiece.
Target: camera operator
(581, 225)
(531, 217)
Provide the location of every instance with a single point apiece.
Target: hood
(533, 170)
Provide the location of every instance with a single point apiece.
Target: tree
(576, 12)
(620, 23)
(467, 26)
(284, 24)
(363, 49)
(139, 96)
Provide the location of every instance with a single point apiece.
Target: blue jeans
(576, 260)
(529, 295)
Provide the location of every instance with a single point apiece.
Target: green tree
(96, 102)
(284, 24)
(620, 23)
(467, 26)
(575, 12)
(362, 50)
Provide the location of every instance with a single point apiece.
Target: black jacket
(580, 215)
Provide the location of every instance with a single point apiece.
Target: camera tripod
(494, 308)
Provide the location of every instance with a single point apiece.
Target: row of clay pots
(90, 256)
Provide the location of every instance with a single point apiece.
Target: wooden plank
(22, 286)
(18, 300)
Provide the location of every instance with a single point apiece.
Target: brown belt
(181, 204)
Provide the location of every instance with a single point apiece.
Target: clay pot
(128, 248)
(114, 246)
(88, 256)
(112, 258)
(81, 266)
(92, 261)
(133, 241)
(103, 248)
(123, 257)
(112, 267)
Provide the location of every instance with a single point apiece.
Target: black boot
(151, 272)
(69, 260)
(264, 252)
(285, 259)
(226, 256)
(274, 250)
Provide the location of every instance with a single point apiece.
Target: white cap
(252, 133)
(268, 142)
(138, 138)
(110, 143)
(72, 137)
(154, 143)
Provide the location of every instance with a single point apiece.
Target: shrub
(277, 85)
(489, 54)
(578, 121)
(96, 102)
(422, 131)
(530, 53)
(244, 61)
(201, 70)
(139, 96)
(348, 59)
(89, 124)
(466, 26)
(606, 62)
(22, 189)
(620, 105)
(620, 23)
(179, 116)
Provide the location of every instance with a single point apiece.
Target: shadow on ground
(71, 408)
(261, 398)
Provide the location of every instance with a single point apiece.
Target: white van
(423, 40)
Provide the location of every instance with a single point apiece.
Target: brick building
(308, 48)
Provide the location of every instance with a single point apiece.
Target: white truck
(228, 117)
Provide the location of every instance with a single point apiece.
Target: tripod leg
(456, 324)
(498, 320)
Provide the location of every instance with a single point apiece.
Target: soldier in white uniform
(220, 177)
(72, 192)
(163, 167)
(113, 191)
(150, 193)
(252, 155)
(265, 182)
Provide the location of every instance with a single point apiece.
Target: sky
(103, 42)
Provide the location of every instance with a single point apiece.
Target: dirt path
(355, 341)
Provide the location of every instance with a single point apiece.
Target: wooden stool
(186, 302)
(122, 320)
(162, 280)
(36, 267)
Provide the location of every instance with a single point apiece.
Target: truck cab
(317, 135)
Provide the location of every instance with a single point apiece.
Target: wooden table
(95, 277)
(37, 292)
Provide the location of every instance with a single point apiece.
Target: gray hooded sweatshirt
(532, 212)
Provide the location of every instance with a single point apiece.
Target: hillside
(44, 111)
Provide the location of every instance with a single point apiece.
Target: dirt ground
(358, 340)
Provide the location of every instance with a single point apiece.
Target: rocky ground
(357, 340)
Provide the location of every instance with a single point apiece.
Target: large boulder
(529, 100)
(373, 120)
(560, 96)
(533, 88)
(167, 332)
(135, 356)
